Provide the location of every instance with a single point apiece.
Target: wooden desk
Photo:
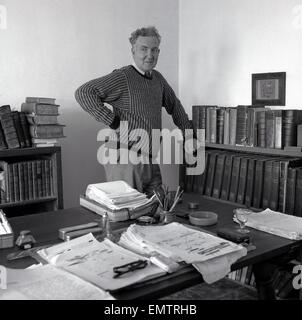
(45, 226)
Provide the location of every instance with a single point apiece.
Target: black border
(282, 88)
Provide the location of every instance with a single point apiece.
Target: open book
(93, 261)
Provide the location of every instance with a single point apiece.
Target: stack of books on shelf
(14, 129)
(42, 114)
(26, 180)
(244, 276)
(251, 180)
(250, 126)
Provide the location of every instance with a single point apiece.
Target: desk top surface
(45, 226)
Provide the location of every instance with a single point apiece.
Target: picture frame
(269, 89)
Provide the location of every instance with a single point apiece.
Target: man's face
(145, 52)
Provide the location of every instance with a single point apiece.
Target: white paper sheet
(49, 283)
(116, 195)
(277, 223)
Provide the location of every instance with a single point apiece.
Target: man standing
(137, 94)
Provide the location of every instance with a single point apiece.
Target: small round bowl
(203, 218)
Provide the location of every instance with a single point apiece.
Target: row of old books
(26, 180)
(42, 114)
(256, 181)
(252, 126)
(14, 129)
(244, 275)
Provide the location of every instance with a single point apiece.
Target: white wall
(50, 47)
(222, 42)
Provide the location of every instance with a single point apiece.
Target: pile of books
(250, 126)
(14, 129)
(42, 115)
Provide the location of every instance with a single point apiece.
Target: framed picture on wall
(269, 89)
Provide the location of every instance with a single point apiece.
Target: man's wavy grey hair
(144, 32)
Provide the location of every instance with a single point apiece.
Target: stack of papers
(276, 223)
(49, 283)
(176, 241)
(116, 195)
(210, 255)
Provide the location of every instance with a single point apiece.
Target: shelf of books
(253, 158)
(30, 180)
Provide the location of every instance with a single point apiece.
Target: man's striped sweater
(135, 99)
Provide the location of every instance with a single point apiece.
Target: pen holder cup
(167, 217)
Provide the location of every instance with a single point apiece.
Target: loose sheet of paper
(276, 223)
(49, 283)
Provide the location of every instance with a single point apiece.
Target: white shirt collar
(138, 69)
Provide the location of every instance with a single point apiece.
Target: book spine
(26, 182)
(290, 191)
(226, 131)
(235, 179)
(298, 204)
(21, 181)
(267, 183)
(47, 176)
(11, 183)
(210, 174)
(201, 186)
(261, 142)
(233, 126)
(19, 131)
(45, 132)
(241, 132)
(9, 130)
(278, 129)
(218, 176)
(25, 129)
(30, 180)
(213, 125)
(40, 100)
(250, 183)
(16, 181)
(258, 184)
(283, 182)
(39, 178)
(220, 125)
(208, 125)
(288, 130)
(242, 181)
(274, 197)
(269, 129)
(35, 180)
(227, 177)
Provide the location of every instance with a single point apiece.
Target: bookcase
(258, 166)
(31, 180)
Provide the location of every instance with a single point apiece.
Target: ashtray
(203, 218)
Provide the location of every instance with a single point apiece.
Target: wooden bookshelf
(41, 203)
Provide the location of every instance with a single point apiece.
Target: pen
(219, 246)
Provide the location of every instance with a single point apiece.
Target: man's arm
(175, 108)
(92, 95)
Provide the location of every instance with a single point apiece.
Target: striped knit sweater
(135, 99)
